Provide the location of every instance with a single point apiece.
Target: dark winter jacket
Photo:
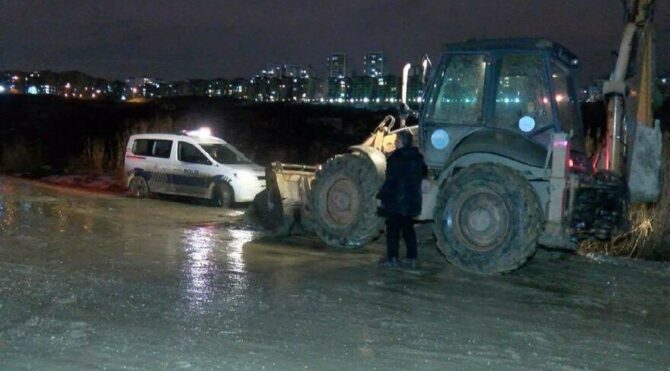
(401, 191)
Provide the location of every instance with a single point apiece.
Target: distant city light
(277, 82)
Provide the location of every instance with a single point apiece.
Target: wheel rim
(480, 219)
(139, 187)
(222, 197)
(343, 201)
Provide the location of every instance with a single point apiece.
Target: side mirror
(404, 112)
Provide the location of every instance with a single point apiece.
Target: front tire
(138, 187)
(223, 195)
(487, 219)
(342, 204)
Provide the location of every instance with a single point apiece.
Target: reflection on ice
(237, 277)
(239, 237)
(199, 243)
(214, 269)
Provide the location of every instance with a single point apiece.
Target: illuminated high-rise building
(337, 66)
(374, 64)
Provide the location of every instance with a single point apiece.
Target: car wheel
(223, 195)
(138, 187)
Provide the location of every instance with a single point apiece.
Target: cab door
(522, 99)
(455, 103)
(193, 173)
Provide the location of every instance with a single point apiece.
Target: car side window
(162, 148)
(141, 147)
(191, 154)
(152, 148)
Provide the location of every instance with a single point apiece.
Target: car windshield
(225, 154)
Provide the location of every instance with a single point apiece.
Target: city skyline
(372, 66)
(263, 68)
(176, 40)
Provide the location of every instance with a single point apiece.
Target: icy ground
(91, 281)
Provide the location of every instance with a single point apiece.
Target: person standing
(400, 197)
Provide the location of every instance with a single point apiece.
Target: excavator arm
(632, 151)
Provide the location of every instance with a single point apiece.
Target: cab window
(458, 94)
(191, 154)
(152, 148)
(566, 105)
(521, 103)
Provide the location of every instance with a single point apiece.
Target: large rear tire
(487, 219)
(342, 204)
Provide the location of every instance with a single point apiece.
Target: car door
(161, 151)
(155, 155)
(194, 171)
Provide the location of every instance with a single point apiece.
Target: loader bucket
(280, 208)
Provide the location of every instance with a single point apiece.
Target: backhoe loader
(501, 131)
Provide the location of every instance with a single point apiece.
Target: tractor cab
(505, 97)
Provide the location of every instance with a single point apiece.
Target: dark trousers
(396, 223)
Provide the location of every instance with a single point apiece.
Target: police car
(193, 164)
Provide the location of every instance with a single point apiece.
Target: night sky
(233, 38)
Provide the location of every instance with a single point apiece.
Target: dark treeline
(50, 135)
(40, 135)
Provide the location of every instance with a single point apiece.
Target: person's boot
(389, 263)
(409, 263)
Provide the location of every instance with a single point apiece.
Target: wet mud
(95, 281)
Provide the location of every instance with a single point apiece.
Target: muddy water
(103, 282)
